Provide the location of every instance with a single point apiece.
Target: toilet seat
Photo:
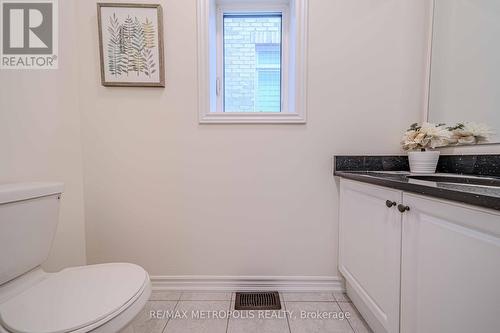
(74, 300)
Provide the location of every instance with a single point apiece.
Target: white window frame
(293, 68)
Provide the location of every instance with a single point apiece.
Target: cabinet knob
(390, 203)
(403, 208)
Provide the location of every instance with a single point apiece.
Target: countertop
(482, 196)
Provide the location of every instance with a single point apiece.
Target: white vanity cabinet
(450, 268)
(433, 268)
(370, 248)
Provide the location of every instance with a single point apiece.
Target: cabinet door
(370, 247)
(450, 268)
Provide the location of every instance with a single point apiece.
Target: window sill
(252, 118)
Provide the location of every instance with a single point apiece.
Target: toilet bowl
(101, 298)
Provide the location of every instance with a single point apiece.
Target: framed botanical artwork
(131, 44)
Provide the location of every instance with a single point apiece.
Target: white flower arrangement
(430, 136)
(470, 133)
(425, 136)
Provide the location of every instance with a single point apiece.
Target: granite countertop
(392, 172)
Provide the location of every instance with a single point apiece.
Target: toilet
(96, 298)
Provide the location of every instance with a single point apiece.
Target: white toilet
(98, 298)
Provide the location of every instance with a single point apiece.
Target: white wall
(40, 137)
(181, 198)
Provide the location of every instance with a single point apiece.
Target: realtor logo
(29, 34)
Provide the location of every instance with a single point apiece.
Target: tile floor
(185, 306)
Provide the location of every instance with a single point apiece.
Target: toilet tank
(28, 220)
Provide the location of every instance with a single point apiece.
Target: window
(251, 61)
(268, 77)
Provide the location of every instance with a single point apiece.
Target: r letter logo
(29, 34)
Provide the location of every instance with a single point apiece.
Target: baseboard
(249, 283)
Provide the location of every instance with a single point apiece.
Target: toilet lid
(73, 298)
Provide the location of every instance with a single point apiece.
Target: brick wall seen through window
(252, 63)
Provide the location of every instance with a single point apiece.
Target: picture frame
(131, 45)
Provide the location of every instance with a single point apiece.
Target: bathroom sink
(465, 180)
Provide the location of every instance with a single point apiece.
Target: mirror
(465, 64)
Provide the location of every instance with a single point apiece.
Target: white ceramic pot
(423, 161)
